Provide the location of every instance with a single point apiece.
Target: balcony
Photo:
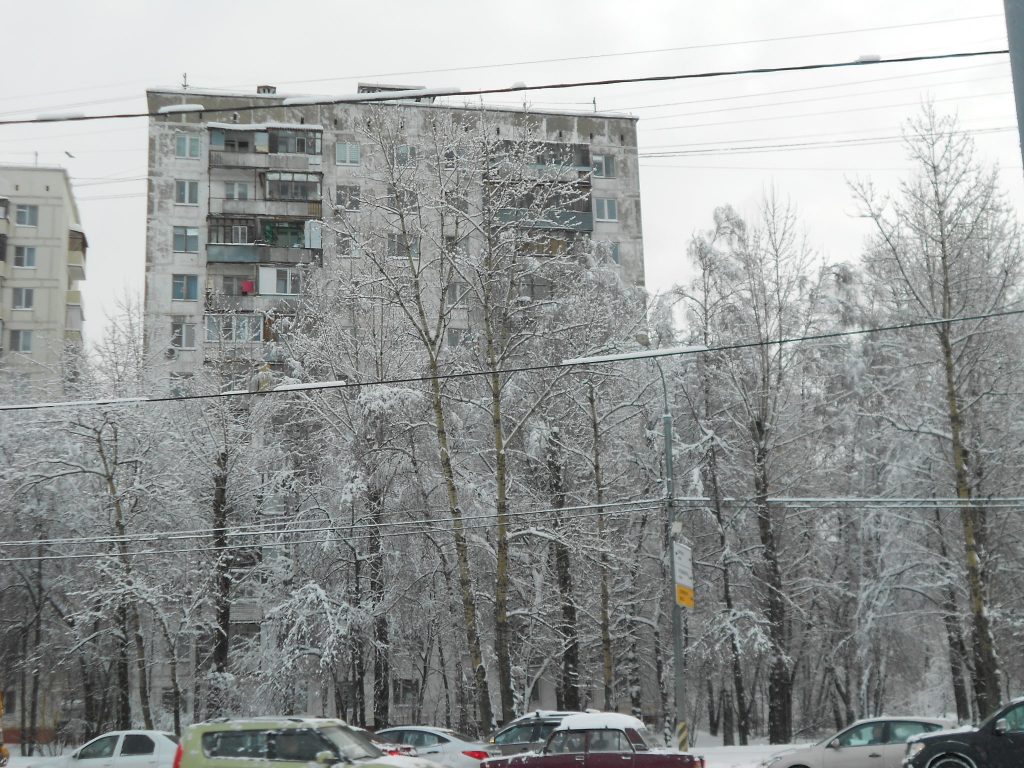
(304, 208)
(256, 303)
(576, 221)
(73, 315)
(263, 161)
(250, 253)
(242, 351)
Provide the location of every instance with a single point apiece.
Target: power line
(275, 544)
(274, 527)
(834, 143)
(327, 101)
(326, 385)
(271, 528)
(421, 527)
(678, 49)
(823, 86)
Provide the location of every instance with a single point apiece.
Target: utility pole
(682, 731)
(1014, 12)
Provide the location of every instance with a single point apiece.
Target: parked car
(284, 742)
(876, 743)
(997, 743)
(118, 749)
(526, 733)
(439, 744)
(598, 740)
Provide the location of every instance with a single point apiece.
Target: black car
(996, 743)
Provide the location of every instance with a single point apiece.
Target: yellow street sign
(682, 565)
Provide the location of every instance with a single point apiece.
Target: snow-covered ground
(738, 757)
(716, 756)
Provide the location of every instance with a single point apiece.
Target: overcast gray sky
(100, 56)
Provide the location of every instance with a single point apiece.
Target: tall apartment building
(42, 261)
(235, 198)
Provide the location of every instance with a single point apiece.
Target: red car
(598, 740)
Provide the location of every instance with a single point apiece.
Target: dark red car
(598, 740)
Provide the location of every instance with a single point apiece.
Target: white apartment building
(42, 261)
(239, 182)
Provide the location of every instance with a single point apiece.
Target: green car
(283, 742)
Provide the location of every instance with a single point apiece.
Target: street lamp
(682, 733)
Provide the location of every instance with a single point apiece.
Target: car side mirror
(1001, 726)
(834, 744)
(326, 757)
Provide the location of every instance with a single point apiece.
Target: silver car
(876, 743)
(439, 745)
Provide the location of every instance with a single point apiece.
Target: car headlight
(914, 748)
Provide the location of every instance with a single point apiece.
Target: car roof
(902, 718)
(252, 723)
(593, 720)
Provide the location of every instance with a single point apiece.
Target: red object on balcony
(248, 287)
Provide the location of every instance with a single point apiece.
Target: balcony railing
(250, 253)
(311, 209)
(263, 160)
(76, 265)
(577, 221)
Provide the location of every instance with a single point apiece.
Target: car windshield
(350, 744)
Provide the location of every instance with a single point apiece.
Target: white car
(119, 749)
(439, 745)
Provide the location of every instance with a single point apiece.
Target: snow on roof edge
(599, 720)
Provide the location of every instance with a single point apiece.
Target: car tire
(951, 761)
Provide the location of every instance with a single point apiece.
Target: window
(183, 333)
(405, 691)
(24, 256)
(403, 247)
(346, 154)
(535, 288)
(348, 246)
(100, 748)
(238, 285)
(236, 145)
(236, 190)
(186, 192)
(186, 146)
(185, 287)
(293, 186)
(456, 337)
(21, 341)
(181, 384)
(137, 744)
(347, 197)
(24, 298)
(608, 741)
(604, 166)
(899, 732)
(230, 230)
(243, 744)
(564, 742)
(606, 209)
(287, 234)
(457, 291)
(609, 251)
(4, 202)
(186, 240)
(405, 154)
(26, 215)
(863, 735)
(234, 328)
(403, 200)
(296, 745)
(289, 281)
(295, 142)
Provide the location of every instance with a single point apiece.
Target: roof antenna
(184, 81)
